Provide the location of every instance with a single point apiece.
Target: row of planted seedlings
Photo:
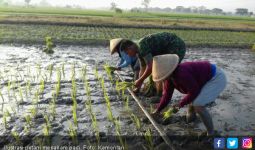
(121, 88)
(33, 85)
(37, 94)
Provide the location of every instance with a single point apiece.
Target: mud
(232, 113)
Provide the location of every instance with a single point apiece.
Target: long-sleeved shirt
(125, 60)
(188, 78)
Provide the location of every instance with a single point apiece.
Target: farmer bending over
(201, 81)
(150, 46)
(125, 60)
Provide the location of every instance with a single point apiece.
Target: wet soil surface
(23, 69)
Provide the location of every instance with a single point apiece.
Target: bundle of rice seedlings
(124, 85)
(167, 114)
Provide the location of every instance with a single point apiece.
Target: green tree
(113, 6)
(27, 1)
(146, 3)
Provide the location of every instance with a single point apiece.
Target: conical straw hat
(163, 66)
(113, 44)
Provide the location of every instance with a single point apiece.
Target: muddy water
(232, 113)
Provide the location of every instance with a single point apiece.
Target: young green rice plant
(127, 104)
(33, 111)
(14, 96)
(49, 45)
(124, 85)
(84, 72)
(96, 73)
(15, 135)
(103, 86)
(28, 120)
(20, 93)
(36, 97)
(73, 95)
(58, 85)
(5, 120)
(53, 106)
(38, 71)
(148, 138)
(9, 88)
(253, 47)
(108, 105)
(1, 95)
(50, 68)
(42, 86)
(108, 69)
(63, 69)
(118, 133)
(73, 71)
(167, 114)
(74, 110)
(6, 114)
(95, 126)
(73, 133)
(46, 129)
(28, 86)
(136, 120)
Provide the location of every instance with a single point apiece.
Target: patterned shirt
(159, 44)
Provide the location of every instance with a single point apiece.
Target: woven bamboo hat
(163, 66)
(113, 44)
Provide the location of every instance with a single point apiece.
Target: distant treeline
(199, 10)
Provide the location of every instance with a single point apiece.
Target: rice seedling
(58, 85)
(124, 85)
(167, 114)
(20, 93)
(73, 95)
(109, 70)
(84, 72)
(28, 86)
(28, 120)
(103, 86)
(127, 104)
(73, 133)
(253, 47)
(50, 68)
(118, 133)
(49, 45)
(33, 111)
(95, 126)
(42, 86)
(46, 129)
(36, 97)
(148, 138)
(6, 114)
(15, 97)
(74, 110)
(96, 73)
(73, 71)
(108, 104)
(136, 120)
(9, 88)
(38, 71)
(5, 121)
(15, 135)
(63, 70)
(1, 95)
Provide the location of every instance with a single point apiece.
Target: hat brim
(164, 66)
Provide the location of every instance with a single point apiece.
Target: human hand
(138, 83)
(176, 108)
(115, 68)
